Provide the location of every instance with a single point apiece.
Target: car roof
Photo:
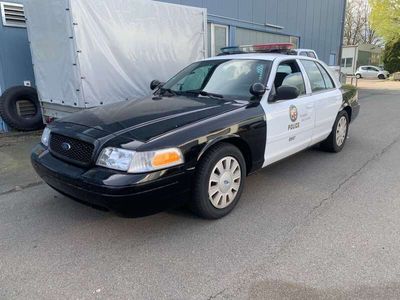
(304, 50)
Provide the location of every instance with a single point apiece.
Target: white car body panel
(317, 112)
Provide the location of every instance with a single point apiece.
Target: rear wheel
(337, 139)
(219, 182)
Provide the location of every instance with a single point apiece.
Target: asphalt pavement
(316, 225)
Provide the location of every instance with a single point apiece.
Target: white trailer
(88, 53)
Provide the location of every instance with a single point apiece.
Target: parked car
(200, 134)
(306, 52)
(371, 72)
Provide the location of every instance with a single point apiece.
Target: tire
(358, 76)
(337, 139)
(20, 108)
(381, 76)
(210, 206)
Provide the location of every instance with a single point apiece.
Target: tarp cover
(118, 47)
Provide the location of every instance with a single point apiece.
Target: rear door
(326, 97)
(373, 72)
(290, 123)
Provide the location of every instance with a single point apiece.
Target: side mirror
(286, 92)
(155, 84)
(258, 90)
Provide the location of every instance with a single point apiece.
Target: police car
(200, 134)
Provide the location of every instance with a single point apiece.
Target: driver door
(290, 123)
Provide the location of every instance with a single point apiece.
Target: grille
(13, 14)
(70, 148)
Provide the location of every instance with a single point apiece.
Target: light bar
(264, 48)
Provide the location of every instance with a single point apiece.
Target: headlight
(46, 137)
(139, 162)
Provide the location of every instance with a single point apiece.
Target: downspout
(342, 33)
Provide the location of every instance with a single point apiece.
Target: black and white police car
(200, 134)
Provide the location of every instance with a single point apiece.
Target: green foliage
(385, 18)
(391, 56)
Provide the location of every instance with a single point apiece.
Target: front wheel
(337, 139)
(219, 182)
(381, 77)
(358, 76)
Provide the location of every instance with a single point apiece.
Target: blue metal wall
(318, 23)
(15, 59)
(15, 56)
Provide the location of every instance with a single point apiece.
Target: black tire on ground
(358, 76)
(19, 108)
(381, 76)
(201, 204)
(331, 144)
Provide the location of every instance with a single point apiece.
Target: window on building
(250, 37)
(343, 64)
(219, 38)
(295, 40)
(332, 59)
(349, 62)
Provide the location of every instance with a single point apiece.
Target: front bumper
(126, 194)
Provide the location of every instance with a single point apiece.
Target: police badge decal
(293, 113)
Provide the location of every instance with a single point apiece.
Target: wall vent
(13, 14)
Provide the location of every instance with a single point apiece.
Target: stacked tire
(20, 108)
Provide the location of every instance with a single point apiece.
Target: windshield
(227, 78)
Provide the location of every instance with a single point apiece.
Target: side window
(328, 80)
(316, 79)
(303, 53)
(289, 74)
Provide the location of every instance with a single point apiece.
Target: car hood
(147, 118)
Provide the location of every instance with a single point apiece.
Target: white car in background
(371, 72)
(306, 52)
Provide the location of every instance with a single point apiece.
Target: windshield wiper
(206, 94)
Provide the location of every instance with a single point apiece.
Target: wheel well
(241, 145)
(349, 112)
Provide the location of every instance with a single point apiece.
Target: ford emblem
(66, 146)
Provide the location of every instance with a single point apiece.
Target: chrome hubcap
(341, 131)
(224, 182)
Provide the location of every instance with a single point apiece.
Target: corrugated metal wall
(15, 56)
(318, 23)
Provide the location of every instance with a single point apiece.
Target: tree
(385, 18)
(357, 28)
(391, 56)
